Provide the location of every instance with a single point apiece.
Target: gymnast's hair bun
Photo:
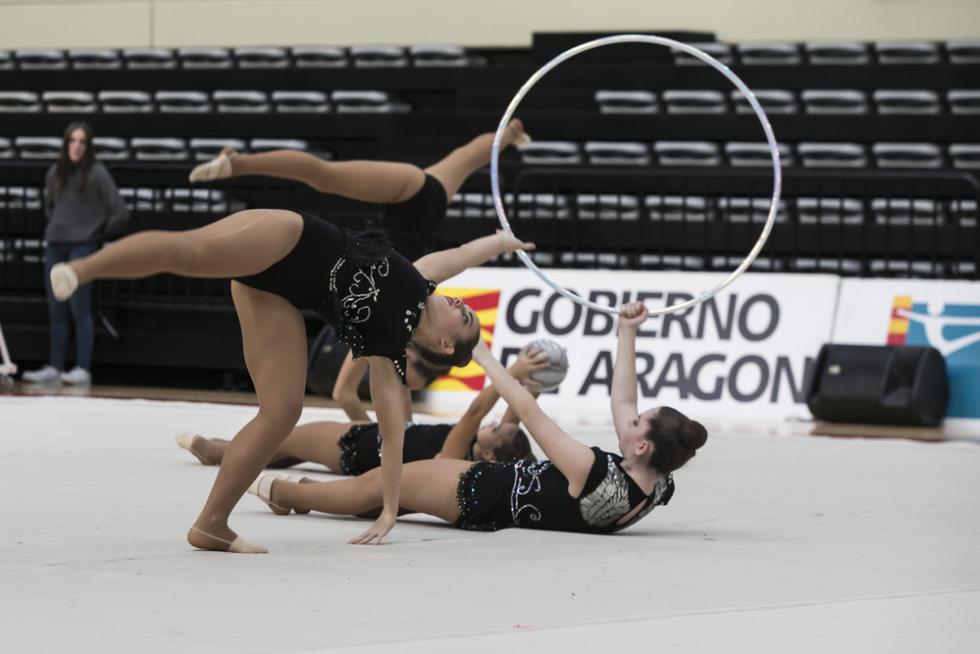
(693, 435)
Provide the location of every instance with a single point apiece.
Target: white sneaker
(77, 377)
(64, 281)
(45, 375)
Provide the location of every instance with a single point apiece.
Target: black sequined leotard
(360, 447)
(495, 496)
(372, 295)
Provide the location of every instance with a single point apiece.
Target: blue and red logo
(954, 330)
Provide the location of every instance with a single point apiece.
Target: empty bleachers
(638, 162)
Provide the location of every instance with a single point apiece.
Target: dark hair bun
(693, 435)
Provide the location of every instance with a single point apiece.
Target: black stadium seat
(149, 58)
(627, 102)
(40, 59)
(182, 102)
(38, 147)
(76, 102)
(908, 101)
(772, 53)
(22, 102)
(773, 101)
(300, 102)
(837, 53)
(125, 102)
(251, 57)
(94, 59)
(319, 57)
(197, 58)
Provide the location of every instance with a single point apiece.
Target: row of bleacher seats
(734, 209)
(221, 101)
(138, 199)
(109, 148)
(762, 53)
(245, 57)
(785, 101)
(590, 206)
(751, 154)
(671, 101)
(841, 265)
(893, 155)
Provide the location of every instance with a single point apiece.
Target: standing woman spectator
(82, 205)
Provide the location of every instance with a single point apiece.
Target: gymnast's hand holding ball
(529, 361)
(552, 368)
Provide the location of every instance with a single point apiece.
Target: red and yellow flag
(484, 302)
(898, 326)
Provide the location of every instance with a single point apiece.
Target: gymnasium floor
(772, 543)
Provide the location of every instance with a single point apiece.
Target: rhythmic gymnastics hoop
(777, 180)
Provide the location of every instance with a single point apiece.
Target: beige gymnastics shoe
(217, 168)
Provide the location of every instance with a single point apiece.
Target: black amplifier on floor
(880, 385)
(326, 357)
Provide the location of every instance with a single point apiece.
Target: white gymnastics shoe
(217, 168)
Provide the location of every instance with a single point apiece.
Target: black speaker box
(880, 385)
(327, 355)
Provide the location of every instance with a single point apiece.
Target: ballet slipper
(217, 168)
(294, 478)
(186, 441)
(237, 546)
(262, 489)
(64, 281)
(521, 139)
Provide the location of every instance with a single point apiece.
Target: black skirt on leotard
(373, 295)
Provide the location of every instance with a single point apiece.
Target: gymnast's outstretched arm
(463, 431)
(622, 399)
(387, 393)
(572, 458)
(440, 266)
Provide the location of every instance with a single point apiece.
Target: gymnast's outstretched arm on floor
(572, 458)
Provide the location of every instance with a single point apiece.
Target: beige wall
(80, 23)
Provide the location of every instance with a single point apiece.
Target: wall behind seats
(119, 23)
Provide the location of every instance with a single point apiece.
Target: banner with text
(745, 352)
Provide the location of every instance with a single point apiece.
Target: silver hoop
(777, 181)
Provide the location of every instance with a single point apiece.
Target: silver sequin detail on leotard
(363, 290)
(610, 500)
(526, 480)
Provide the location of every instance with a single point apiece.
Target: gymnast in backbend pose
(577, 489)
(355, 448)
(413, 209)
(282, 263)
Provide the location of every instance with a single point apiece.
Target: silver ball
(551, 377)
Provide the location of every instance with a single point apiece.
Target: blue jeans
(80, 304)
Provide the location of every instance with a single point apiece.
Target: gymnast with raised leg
(414, 204)
(353, 449)
(282, 263)
(577, 489)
